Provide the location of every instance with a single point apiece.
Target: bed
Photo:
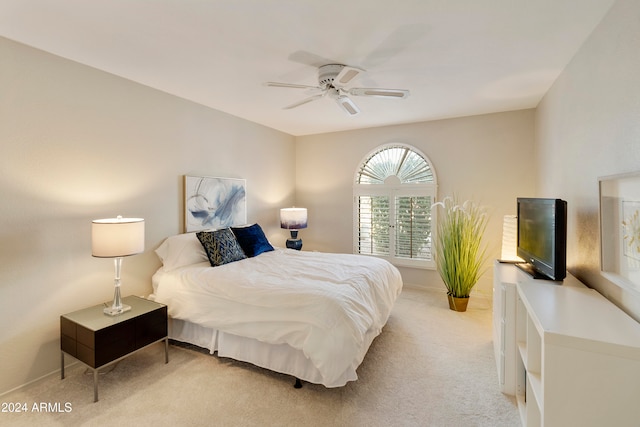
(310, 315)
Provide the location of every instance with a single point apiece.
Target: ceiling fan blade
(381, 93)
(310, 59)
(347, 105)
(290, 85)
(304, 101)
(346, 75)
(395, 42)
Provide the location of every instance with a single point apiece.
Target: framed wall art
(212, 203)
(620, 229)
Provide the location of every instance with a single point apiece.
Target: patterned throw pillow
(221, 246)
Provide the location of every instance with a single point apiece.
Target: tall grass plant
(460, 255)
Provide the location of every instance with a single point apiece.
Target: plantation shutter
(413, 227)
(373, 225)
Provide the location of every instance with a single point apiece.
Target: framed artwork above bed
(211, 202)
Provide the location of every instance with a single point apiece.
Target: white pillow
(180, 250)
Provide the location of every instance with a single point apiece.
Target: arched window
(395, 186)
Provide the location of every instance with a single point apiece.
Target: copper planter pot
(458, 304)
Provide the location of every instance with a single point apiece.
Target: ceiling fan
(332, 82)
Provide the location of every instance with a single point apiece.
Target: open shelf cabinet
(576, 356)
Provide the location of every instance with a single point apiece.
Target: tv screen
(542, 237)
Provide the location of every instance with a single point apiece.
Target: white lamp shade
(293, 218)
(117, 237)
(509, 239)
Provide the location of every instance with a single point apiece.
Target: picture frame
(211, 203)
(620, 229)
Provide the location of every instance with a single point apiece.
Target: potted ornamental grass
(460, 255)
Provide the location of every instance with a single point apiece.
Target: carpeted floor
(429, 367)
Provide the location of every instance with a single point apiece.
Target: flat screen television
(542, 237)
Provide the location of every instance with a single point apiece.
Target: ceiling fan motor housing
(328, 73)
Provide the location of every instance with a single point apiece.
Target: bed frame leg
(298, 383)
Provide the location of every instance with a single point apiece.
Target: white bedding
(325, 305)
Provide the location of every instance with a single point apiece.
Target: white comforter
(322, 304)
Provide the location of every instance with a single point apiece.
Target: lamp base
(114, 311)
(294, 244)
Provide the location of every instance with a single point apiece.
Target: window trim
(392, 191)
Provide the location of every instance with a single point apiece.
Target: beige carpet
(429, 367)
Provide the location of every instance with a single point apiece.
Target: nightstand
(98, 340)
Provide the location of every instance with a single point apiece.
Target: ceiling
(457, 57)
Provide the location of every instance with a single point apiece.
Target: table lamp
(293, 219)
(117, 238)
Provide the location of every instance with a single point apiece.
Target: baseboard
(43, 377)
(482, 298)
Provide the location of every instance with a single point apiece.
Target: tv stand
(568, 355)
(528, 268)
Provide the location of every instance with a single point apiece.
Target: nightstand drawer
(151, 327)
(96, 348)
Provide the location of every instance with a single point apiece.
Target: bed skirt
(280, 358)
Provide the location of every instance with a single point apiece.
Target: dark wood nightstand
(98, 340)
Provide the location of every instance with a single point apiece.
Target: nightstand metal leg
(166, 350)
(95, 385)
(62, 365)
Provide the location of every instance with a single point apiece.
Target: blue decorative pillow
(252, 240)
(221, 246)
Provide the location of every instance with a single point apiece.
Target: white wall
(588, 126)
(488, 158)
(79, 144)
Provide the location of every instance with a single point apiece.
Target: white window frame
(393, 188)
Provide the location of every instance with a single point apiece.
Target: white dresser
(569, 355)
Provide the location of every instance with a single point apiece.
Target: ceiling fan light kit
(332, 81)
